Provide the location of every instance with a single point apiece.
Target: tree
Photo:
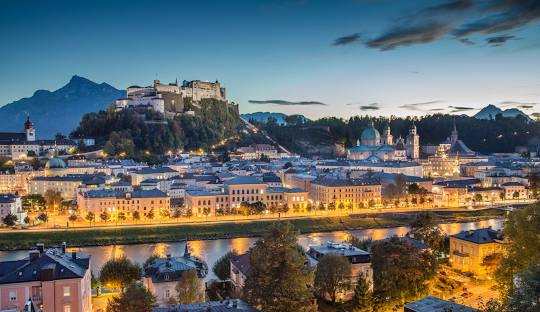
(121, 216)
(104, 216)
(332, 276)
(43, 217)
(491, 262)
(10, 219)
(362, 300)
(26, 220)
(521, 249)
(477, 197)
(150, 214)
(401, 184)
(90, 216)
(190, 288)
(400, 270)
(33, 202)
(222, 267)
(135, 298)
(425, 228)
(136, 215)
(72, 218)
(515, 195)
(119, 273)
(279, 278)
(53, 200)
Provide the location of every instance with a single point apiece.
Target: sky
(318, 58)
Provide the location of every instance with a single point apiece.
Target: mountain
(59, 110)
(281, 119)
(490, 111)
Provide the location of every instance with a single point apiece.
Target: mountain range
(490, 111)
(263, 117)
(59, 110)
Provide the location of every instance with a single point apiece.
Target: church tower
(29, 130)
(454, 134)
(387, 138)
(413, 143)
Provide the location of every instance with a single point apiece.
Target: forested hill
(140, 133)
(485, 136)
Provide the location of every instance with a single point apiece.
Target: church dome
(370, 136)
(55, 163)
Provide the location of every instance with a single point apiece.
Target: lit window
(67, 308)
(66, 291)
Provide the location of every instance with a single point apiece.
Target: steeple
(387, 138)
(454, 134)
(29, 130)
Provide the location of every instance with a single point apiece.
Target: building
(198, 90)
(115, 202)
(159, 97)
(49, 280)
(360, 261)
(240, 267)
(151, 173)
(17, 182)
(162, 275)
(434, 304)
(228, 305)
(515, 190)
(21, 145)
(372, 147)
(469, 248)
(441, 165)
(68, 185)
(356, 192)
(243, 189)
(11, 204)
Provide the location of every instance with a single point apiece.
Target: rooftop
(210, 306)
(434, 304)
(480, 236)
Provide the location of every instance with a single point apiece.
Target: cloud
(408, 35)
(285, 103)
(524, 105)
(499, 40)
(502, 15)
(536, 115)
(456, 109)
(466, 41)
(436, 109)
(419, 106)
(345, 40)
(372, 106)
(458, 18)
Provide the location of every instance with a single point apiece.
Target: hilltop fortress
(169, 98)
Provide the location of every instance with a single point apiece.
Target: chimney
(34, 255)
(63, 247)
(74, 255)
(41, 247)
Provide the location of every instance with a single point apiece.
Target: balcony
(460, 254)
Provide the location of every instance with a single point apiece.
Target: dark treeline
(485, 136)
(134, 132)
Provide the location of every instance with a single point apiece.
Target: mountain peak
(78, 80)
(490, 111)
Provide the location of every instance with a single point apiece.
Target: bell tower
(413, 143)
(29, 130)
(387, 138)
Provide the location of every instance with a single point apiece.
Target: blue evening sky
(284, 50)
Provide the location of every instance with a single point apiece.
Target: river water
(212, 250)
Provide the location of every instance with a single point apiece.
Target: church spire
(187, 254)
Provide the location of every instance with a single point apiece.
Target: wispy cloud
(457, 109)
(371, 106)
(524, 105)
(499, 40)
(420, 105)
(345, 40)
(286, 103)
(458, 19)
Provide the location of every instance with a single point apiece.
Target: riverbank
(178, 232)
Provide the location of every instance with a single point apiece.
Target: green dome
(370, 136)
(55, 163)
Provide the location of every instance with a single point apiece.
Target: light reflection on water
(212, 250)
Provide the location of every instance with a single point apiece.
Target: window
(167, 293)
(13, 295)
(66, 291)
(67, 308)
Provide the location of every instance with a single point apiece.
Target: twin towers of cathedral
(371, 137)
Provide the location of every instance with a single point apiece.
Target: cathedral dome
(370, 136)
(55, 163)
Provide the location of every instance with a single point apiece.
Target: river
(212, 250)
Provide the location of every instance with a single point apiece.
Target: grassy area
(151, 234)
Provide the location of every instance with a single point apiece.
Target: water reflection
(212, 250)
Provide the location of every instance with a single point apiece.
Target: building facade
(356, 192)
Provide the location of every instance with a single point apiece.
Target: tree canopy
(135, 298)
(118, 273)
(222, 267)
(332, 276)
(279, 278)
(190, 288)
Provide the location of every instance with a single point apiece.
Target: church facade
(20, 145)
(373, 147)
